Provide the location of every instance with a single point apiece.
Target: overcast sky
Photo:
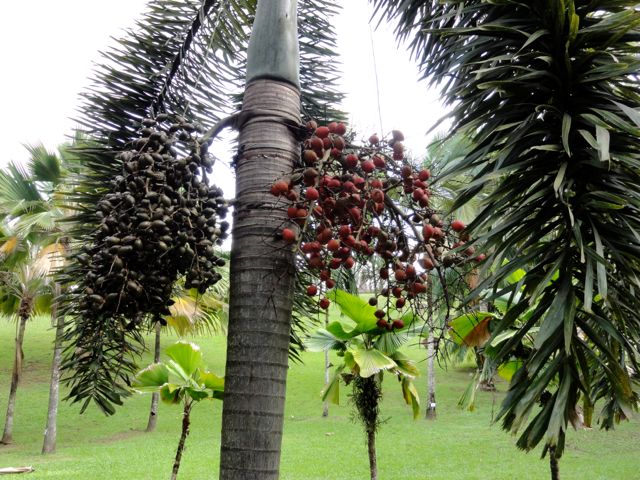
(50, 47)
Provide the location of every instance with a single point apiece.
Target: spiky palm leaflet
(550, 91)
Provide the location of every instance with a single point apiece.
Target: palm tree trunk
(7, 435)
(186, 421)
(325, 405)
(430, 411)
(262, 279)
(553, 464)
(51, 430)
(155, 396)
(371, 449)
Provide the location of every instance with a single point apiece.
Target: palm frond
(550, 92)
(43, 165)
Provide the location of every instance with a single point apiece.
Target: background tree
(550, 91)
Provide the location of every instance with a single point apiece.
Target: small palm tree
(181, 380)
(368, 350)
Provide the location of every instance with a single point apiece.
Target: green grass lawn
(458, 445)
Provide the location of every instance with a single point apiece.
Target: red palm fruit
(398, 147)
(355, 213)
(335, 153)
(418, 288)
(341, 128)
(470, 251)
(378, 208)
(335, 263)
(406, 171)
(315, 261)
(311, 173)
(334, 183)
(329, 203)
(417, 194)
(380, 313)
(368, 166)
(351, 161)
(324, 235)
(389, 327)
(400, 302)
(311, 247)
(322, 132)
(302, 214)
(342, 253)
(457, 226)
(280, 187)
(428, 231)
(376, 183)
(333, 245)
(396, 292)
(312, 290)
(373, 231)
(426, 263)
(288, 235)
(397, 136)
(377, 195)
(310, 157)
(344, 231)
(330, 283)
(359, 182)
(384, 292)
(315, 143)
(311, 125)
(424, 201)
(480, 258)
(373, 301)
(350, 241)
(384, 273)
(398, 155)
(348, 186)
(292, 211)
(400, 275)
(325, 275)
(419, 184)
(378, 161)
(397, 324)
(438, 234)
(382, 323)
(410, 271)
(311, 193)
(349, 263)
(332, 127)
(291, 195)
(327, 143)
(374, 139)
(324, 303)
(338, 142)
(424, 175)
(318, 211)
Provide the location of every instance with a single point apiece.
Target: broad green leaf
(405, 365)
(211, 381)
(471, 329)
(509, 368)
(371, 361)
(322, 340)
(411, 396)
(356, 309)
(170, 393)
(341, 331)
(187, 355)
(152, 377)
(196, 394)
(632, 113)
(331, 393)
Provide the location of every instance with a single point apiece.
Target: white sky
(50, 47)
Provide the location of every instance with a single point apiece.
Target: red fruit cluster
(356, 202)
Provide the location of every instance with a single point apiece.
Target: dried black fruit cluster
(161, 219)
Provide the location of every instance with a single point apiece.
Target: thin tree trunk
(587, 412)
(186, 421)
(553, 464)
(155, 396)
(262, 279)
(431, 377)
(430, 411)
(51, 430)
(371, 449)
(7, 435)
(325, 405)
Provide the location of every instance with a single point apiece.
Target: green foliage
(549, 91)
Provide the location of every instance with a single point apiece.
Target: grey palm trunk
(23, 316)
(262, 265)
(51, 430)
(155, 396)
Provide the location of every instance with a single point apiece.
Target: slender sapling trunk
(51, 430)
(186, 421)
(155, 397)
